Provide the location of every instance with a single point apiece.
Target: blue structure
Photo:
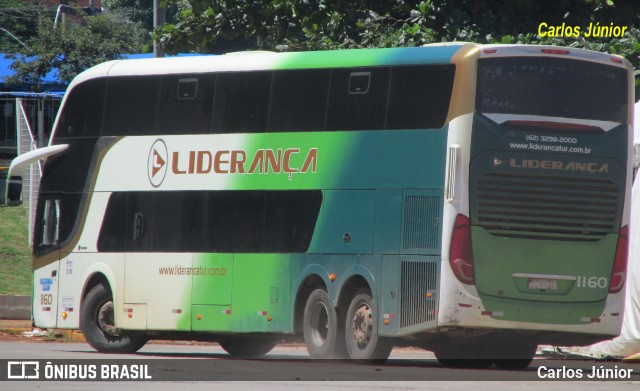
(51, 84)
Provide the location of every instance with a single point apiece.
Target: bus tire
(361, 330)
(247, 346)
(97, 323)
(323, 336)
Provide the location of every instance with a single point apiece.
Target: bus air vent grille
(420, 226)
(416, 305)
(546, 207)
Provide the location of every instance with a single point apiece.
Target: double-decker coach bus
(472, 200)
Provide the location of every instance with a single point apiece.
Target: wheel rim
(106, 319)
(319, 324)
(362, 325)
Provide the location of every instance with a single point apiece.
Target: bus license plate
(543, 284)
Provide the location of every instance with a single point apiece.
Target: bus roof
(440, 53)
(253, 61)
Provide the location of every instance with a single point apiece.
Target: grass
(15, 253)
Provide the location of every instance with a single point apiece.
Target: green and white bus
(472, 200)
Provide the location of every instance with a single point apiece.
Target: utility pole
(158, 20)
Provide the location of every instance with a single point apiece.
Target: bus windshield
(552, 87)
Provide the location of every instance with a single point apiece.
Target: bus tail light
(619, 273)
(460, 253)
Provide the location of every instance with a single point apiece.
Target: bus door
(46, 260)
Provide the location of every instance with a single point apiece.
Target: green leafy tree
(18, 23)
(70, 50)
(219, 26)
(140, 12)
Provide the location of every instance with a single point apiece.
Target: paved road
(287, 368)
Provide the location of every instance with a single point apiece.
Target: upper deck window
(552, 87)
(132, 105)
(419, 96)
(186, 104)
(82, 112)
(241, 102)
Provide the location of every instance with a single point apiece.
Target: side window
(140, 222)
(241, 102)
(186, 104)
(131, 107)
(298, 100)
(81, 114)
(114, 230)
(217, 221)
(50, 223)
(358, 99)
(55, 218)
(235, 221)
(67, 172)
(420, 96)
(290, 220)
(154, 221)
(176, 226)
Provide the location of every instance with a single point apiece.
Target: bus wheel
(323, 337)
(97, 322)
(361, 330)
(242, 346)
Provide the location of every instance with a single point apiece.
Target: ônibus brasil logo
(157, 163)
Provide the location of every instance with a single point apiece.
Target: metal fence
(41, 112)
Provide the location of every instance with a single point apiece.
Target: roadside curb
(15, 307)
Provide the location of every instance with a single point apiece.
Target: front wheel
(322, 335)
(361, 330)
(245, 346)
(97, 322)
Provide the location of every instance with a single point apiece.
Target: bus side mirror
(12, 194)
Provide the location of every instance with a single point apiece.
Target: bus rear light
(616, 60)
(490, 51)
(555, 51)
(619, 273)
(460, 253)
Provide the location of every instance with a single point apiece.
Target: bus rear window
(552, 87)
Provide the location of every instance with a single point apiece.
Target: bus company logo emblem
(157, 163)
(497, 161)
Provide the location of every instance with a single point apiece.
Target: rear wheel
(322, 335)
(97, 322)
(242, 346)
(361, 329)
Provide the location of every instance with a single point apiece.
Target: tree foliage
(218, 26)
(18, 22)
(69, 51)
